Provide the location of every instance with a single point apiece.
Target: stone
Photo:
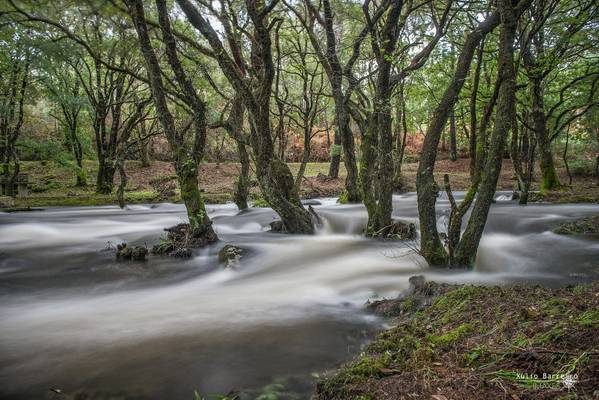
(133, 253)
(230, 255)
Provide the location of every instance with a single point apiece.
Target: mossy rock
(230, 255)
(131, 253)
(582, 226)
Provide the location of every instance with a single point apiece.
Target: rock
(417, 282)
(6, 202)
(277, 226)
(230, 256)
(134, 253)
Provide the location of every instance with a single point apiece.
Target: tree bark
(274, 177)
(453, 145)
(185, 161)
(465, 254)
(431, 247)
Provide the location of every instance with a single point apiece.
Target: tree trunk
(549, 179)
(465, 254)
(243, 184)
(185, 161)
(349, 151)
(274, 177)
(143, 143)
(427, 190)
(453, 145)
(105, 177)
(335, 150)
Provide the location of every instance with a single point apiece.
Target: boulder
(133, 253)
(230, 256)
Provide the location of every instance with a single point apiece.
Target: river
(75, 320)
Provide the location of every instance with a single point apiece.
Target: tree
(431, 247)
(13, 88)
(185, 158)
(274, 177)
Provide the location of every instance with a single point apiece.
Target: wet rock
(6, 202)
(277, 226)
(133, 253)
(230, 256)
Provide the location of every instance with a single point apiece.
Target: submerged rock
(230, 255)
(133, 253)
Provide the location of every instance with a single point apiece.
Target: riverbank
(469, 342)
(53, 185)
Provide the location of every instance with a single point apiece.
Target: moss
(358, 372)
(453, 335)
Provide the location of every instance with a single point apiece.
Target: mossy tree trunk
(431, 247)
(11, 119)
(186, 157)
(335, 150)
(234, 128)
(549, 178)
(466, 250)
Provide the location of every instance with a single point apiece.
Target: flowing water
(72, 318)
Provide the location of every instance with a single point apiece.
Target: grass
(481, 342)
(52, 184)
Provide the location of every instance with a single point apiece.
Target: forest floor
(53, 185)
(468, 342)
